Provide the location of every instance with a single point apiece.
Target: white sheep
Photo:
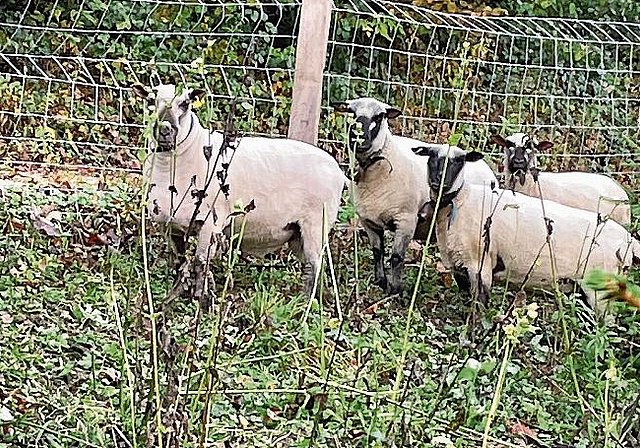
(587, 191)
(391, 190)
(292, 184)
(515, 235)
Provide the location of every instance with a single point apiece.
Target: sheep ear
(196, 93)
(499, 140)
(473, 156)
(543, 146)
(140, 91)
(341, 106)
(392, 112)
(424, 151)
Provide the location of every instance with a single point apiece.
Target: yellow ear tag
(197, 104)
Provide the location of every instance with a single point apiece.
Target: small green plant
(615, 287)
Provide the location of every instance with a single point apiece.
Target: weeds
(75, 363)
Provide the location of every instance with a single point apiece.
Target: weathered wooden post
(311, 54)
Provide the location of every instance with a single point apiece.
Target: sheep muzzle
(166, 136)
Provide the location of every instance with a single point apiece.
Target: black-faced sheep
(587, 191)
(391, 188)
(293, 185)
(512, 243)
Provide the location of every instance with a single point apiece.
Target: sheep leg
(481, 283)
(376, 238)
(401, 241)
(311, 236)
(309, 268)
(462, 278)
(177, 243)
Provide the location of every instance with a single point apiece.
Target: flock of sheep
(544, 227)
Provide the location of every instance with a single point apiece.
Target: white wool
(478, 173)
(587, 191)
(520, 139)
(394, 189)
(517, 236)
(290, 182)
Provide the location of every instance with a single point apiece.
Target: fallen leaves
(6, 318)
(518, 428)
(47, 220)
(5, 414)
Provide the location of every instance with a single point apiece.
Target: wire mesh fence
(64, 77)
(66, 107)
(574, 82)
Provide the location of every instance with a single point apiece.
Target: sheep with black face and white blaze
(294, 186)
(587, 191)
(512, 243)
(391, 192)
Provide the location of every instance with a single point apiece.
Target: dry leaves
(48, 220)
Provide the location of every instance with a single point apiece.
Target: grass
(76, 364)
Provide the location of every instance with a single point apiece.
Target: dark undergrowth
(268, 367)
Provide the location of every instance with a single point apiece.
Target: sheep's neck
(460, 198)
(387, 149)
(529, 186)
(187, 158)
(383, 158)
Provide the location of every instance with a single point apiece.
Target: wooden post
(311, 54)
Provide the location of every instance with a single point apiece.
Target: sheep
(586, 191)
(391, 192)
(516, 232)
(291, 184)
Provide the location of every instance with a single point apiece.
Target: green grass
(76, 367)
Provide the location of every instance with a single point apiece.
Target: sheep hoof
(395, 289)
(483, 297)
(381, 282)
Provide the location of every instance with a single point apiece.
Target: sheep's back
(584, 191)
(520, 232)
(288, 182)
(479, 173)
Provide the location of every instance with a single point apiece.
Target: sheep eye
(184, 105)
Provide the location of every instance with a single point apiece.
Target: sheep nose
(165, 131)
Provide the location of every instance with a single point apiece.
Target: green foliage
(624, 10)
(64, 358)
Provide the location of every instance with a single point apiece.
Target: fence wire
(65, 76)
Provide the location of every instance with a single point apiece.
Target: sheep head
(520, 152)
(455, 159)
(174, 113)
(369, 133)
